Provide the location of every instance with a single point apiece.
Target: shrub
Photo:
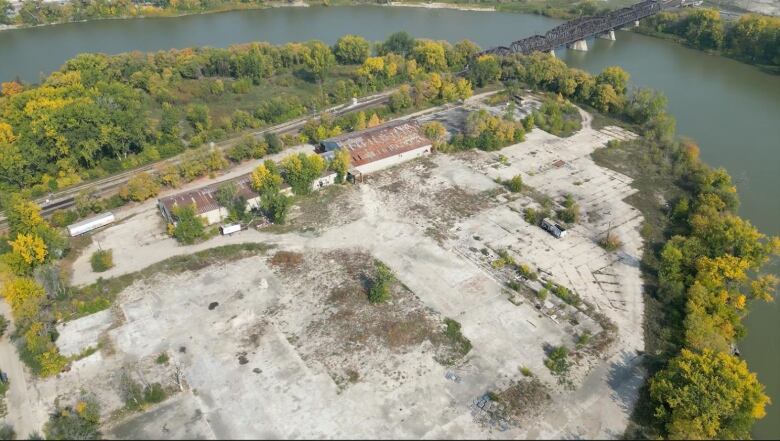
(571, 211)
(526, 371)
(611, 242)
(515, 185)
(102, 260)
(527, 272)
(557, 361)
(380, 288)
(154, 393)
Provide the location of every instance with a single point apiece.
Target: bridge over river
(573, 33)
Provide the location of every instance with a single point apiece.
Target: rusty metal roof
(205, 198)
(382, 141)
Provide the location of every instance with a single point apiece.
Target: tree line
(754, 38)
(38, 12)
(102, 114)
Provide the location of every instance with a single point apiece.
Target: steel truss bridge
(584, 27)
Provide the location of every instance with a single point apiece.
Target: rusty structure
(584, 27)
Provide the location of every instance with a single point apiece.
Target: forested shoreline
(753, 38)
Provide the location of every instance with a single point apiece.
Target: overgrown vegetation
(453, 333)
(79, 421)
(138, 397)
(558, 363)
(558, 117)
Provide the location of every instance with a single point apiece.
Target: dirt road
(26, 412)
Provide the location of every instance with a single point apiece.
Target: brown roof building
(381, 146)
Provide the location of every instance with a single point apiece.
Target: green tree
(400, 43)
(198, 116)
(276, 206)
(707, 396)
(301, 170)
(275, 145)
(351, 49)
(189, 226)
(484, 70)
(319, 60)
(5, 12)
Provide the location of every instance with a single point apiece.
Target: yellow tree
(30, 248)
(265, 181)
(340, 163)
(374, 120)
(25, 296)
(707, 395)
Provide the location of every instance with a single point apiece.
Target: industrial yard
(284, 343)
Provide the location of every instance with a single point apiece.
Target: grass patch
(162, 358)
(101, 294)
(456, 337)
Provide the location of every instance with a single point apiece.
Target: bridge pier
(608, 35)
(579, 45)
(552, 52)
(636, 23)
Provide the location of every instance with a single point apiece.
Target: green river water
(731, 109)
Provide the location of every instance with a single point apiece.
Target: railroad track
(107, 186)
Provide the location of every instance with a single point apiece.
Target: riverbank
(154, 12)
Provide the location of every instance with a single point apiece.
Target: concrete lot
(261, 364)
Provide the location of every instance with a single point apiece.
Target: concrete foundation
(552, 53)
(579, 45)
(608, 36)
(636, 23)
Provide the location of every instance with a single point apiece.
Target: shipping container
(229, 229)
(91, 223)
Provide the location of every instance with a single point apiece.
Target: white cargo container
(229, 229)
(90, 224)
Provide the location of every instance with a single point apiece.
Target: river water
(731, 109)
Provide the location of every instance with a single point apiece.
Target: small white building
(91, 223)
(380, 147)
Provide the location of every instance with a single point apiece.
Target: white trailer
(553, 228)
(230, 229)
(91, 223)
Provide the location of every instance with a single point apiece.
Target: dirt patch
(287, 260)
(521, 400)
(351, 336)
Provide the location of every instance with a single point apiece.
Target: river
(731, 109)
